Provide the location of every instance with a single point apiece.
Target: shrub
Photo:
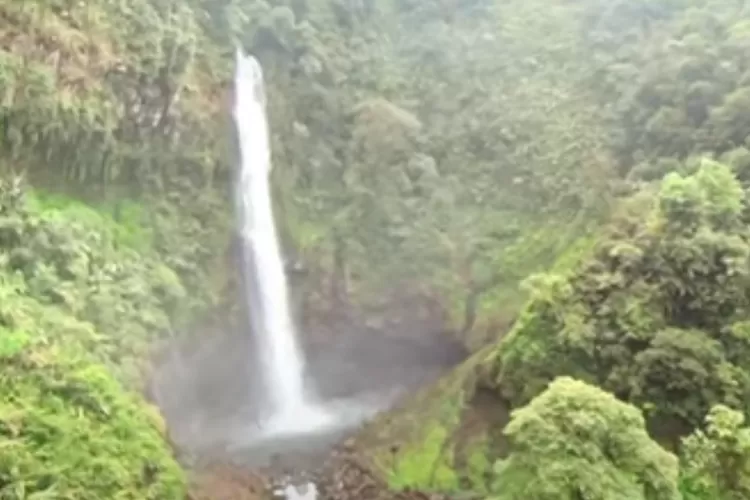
(575, 441)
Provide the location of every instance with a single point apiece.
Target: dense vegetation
(473, 143)
(656, 314)
(577, 441)
(89, 289)
(80, 306)
(651, 306)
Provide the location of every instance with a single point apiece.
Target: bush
(68, 430)
(575, 441)
(716, 462)
(83, 262)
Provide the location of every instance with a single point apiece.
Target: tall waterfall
(267, 285)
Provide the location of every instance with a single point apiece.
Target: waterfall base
(303, 418)
(209, 394)
(313, 428)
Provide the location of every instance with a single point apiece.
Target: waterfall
(266, 283)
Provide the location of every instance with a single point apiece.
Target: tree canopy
(447, 149)
(717, 459)
(656, 315)
(576, 441)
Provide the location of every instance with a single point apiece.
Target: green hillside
(595, 151)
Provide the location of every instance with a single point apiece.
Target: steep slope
(639, 64)
(439, 149)
(83, 298)
(105, 102)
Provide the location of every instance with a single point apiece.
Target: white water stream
(292, 409)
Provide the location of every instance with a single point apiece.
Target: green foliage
(478, 467)
(655, 315)
(421, 445)
(383, 146)
(191, 232)
(575, 441)
(127, 227)
(84, 262)
(95, 89)
(68, 430)
(472, 143)
(674, 75)
(712, 196)
(78, 308)
(716, 462)
(118, 103)
(429, 466)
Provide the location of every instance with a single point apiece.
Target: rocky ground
(347, 476)
(344, 476)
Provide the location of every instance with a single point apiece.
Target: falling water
(266, 283)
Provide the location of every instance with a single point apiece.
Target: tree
(655, 315)
(716, 461)
(674, 72)
(575, 441)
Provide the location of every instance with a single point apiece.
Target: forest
(566, 183)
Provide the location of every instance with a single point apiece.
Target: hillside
(440, 150)
(109, 201)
